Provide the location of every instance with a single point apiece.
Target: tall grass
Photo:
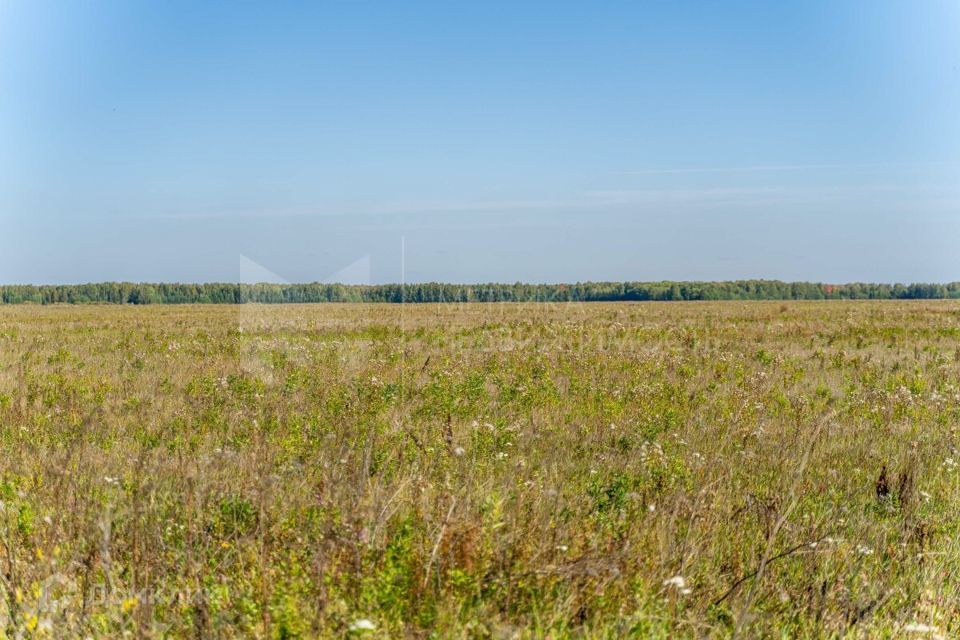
(601, 470)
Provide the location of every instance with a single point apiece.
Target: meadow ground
(467, 471)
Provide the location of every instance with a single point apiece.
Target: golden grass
(575, 470)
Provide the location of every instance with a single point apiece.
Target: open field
(570, 470)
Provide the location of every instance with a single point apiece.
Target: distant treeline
(133, 293)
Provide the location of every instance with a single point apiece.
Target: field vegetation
(602, 470)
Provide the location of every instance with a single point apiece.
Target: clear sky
(499, 141)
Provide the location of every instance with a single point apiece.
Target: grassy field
(503, 471)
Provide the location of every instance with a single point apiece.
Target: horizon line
(478, 283)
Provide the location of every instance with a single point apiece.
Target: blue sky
(508, 141)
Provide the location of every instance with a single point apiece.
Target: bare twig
(436, 546)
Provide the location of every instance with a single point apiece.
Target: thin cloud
(590, 200)
(781, 168)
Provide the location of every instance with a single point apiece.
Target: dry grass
(601, 470)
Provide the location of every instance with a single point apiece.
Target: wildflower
(111, 480)
(128, 605)
(458, 451)
(679, 583)
(362, 625)
(864, 550)
(676, 581)
(917, 627)
(562, 548)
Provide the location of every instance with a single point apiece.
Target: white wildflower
(362, 625)
(458, 451)
(917, 627)
(679, 583)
